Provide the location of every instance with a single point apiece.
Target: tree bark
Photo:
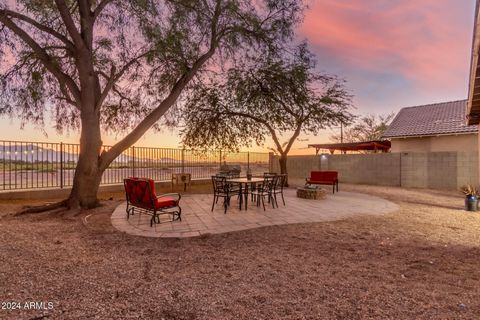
(283, 166)
(88, 172)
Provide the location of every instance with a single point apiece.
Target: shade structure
(380, 145)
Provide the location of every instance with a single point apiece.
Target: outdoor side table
(180, 178)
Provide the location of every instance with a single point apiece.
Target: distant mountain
(29, 152)
(33, 152)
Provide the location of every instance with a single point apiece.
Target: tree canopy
(122, 64)
(274, 96)
(139, 51)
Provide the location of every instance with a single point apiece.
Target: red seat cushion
(321, 181)
(165, 202)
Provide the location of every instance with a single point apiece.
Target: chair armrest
(175, 195)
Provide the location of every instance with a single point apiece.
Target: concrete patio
(198, 219)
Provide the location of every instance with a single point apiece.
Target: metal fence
(30, 165)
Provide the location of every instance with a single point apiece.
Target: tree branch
(108, 156)
(256, 119)
(69, 23)
(113, 78)
(43, 56)
(100, 8)
(294, 137)
(40, 27)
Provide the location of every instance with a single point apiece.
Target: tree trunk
(85, 187)
(283, 167)
(88, 173)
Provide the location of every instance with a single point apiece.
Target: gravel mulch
(420, 263)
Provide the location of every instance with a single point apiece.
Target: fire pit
(311, 192)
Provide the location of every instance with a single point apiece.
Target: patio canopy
(380, 145)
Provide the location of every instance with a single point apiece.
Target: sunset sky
(393, 54)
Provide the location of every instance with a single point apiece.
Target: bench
(325, 178)
(140, 194)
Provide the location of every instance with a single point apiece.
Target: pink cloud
(427, 42)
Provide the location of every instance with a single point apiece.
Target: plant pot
(471, 203)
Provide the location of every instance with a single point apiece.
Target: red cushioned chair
(324, 177)
(140, 193)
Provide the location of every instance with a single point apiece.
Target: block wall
(433, 170)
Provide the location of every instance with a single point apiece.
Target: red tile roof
(431, 119)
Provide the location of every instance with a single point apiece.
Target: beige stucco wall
(459, 143)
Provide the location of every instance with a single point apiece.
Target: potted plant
(471, 198)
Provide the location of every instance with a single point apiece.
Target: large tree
(122, 64)
(274, 96)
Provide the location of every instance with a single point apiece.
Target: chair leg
(214, 201)
(283, 199)
(225, 204)
(263, 202)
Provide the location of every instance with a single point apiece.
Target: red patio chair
(140, 193)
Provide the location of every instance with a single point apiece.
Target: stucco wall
(435, 170)
(459, 143)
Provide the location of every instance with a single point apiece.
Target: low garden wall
(433, 170)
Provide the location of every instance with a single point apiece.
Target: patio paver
(197, 219)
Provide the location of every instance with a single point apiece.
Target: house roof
(431, 119)
(473, 107)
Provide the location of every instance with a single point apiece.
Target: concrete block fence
(433, 170)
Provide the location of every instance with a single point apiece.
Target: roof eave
(473, 104)
(431, 135)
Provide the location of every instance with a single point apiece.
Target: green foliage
(273, 95)
(367, 128)
(145, 48)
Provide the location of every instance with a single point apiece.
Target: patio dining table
(244, 190)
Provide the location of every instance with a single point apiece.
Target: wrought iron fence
(29, 165)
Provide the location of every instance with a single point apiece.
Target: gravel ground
(419, 263)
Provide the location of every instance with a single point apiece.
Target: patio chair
(140, 194)
(257, 185)
(221, 189)
(265, 190)
(233, 187)
(278, 187)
